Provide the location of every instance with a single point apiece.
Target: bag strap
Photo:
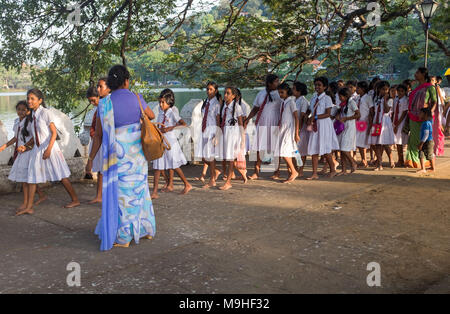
(140, 105)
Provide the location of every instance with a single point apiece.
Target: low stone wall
(76, 165)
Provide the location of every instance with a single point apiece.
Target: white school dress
(174, 157)
(19, 170)
(347, 139)
(205, 146)
(324, 141)
(53, 168)
(302, 107)
(400, 105)
(267, 127)
(365, 103)
(387, 131)
(230, 141)
(247, 137)
(287, 144)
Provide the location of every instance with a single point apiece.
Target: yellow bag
(153, 141)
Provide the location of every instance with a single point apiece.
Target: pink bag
(361, 126)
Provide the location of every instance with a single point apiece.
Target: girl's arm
(241, 129)
(251, 115)
(149, 113)
(180, 124)
(301, 119)
(48, 151)
(7, 144)
(370, 119)
(356, 116)
(325, 115)
(297, 127)
(98, 137)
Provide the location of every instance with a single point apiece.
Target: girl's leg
(351, 161)
(187, 186)
(379, 154)
(155, 184)
(343, 164)
(362, 152)
(29, 207)
(243, 173)
(433, 164)
(388, 150)
(169, 185)
(315, 165)
(227, 184)
(70, 190)
(25, 197)
(42, 195)
(401, 159)
(331, 164)
(213, 174)
(204, 171)
(98, 197)
(166, 179)
(300, 170)
(276, 174)
(224, 170)
(422, 166)
(294, 173)
(257, 167)
(372, 150)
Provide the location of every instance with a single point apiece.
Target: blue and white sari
(127, 210)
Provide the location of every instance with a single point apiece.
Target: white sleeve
(426, 133)
(390, 102)
(238, 111)
(46, 116)
(370, 103)
(176, 115)
(257, 102)
(293, 106)
(328, 102)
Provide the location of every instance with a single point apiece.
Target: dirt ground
(263, 237)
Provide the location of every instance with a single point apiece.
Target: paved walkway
(264, 237)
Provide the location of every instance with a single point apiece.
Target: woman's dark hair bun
(117, 76)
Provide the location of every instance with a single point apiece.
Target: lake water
(8, 102)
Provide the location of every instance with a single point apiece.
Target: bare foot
(21, 207)
(332, 174)
(245, 179)
(72, 204)
(343, 173)
(218, 173)
(363, 164)
(354, 168)
(41, 199)
(254, 177)
(392, 165)
(313, 177)
(28, 211)
(202, 179)
(276, 176)
(187, 188)
(225, 187)
(154, 196)
(291, 178)
(210, 184)
(422, 171)
(167, 189)
(378, 169)
(95, 200)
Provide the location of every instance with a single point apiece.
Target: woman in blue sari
(127, 210)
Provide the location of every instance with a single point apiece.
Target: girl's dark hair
(239, 95)
(117, 76)
(424, 71)
(407, 83)
(401, 86)
(334, 87)
(373, 82)
(364, 86)
(168, 96)
(234, 91)
(351, 82)
(345, 91)
(427, 112)
(285, 86)
(218, 96)
(301, 87)
(36, 92)
(92, 92)
(322, 79)
(25, 132)
(270, 78)
(103, 78)
(382, 84)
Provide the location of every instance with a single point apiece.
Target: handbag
(153, 141)
(361, 126)
(339, 126)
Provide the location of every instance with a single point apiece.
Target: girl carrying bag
(153, 141)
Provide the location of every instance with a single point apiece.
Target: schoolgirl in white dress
(206, 145)
(322, 138)
(232, 139)
(400, 110)
(22, 136)
(365, 106)
(382, 114)
(347, 114)
(173, 158)
(266, 108)
(47, 162)
(288, 130)
(300, 90)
